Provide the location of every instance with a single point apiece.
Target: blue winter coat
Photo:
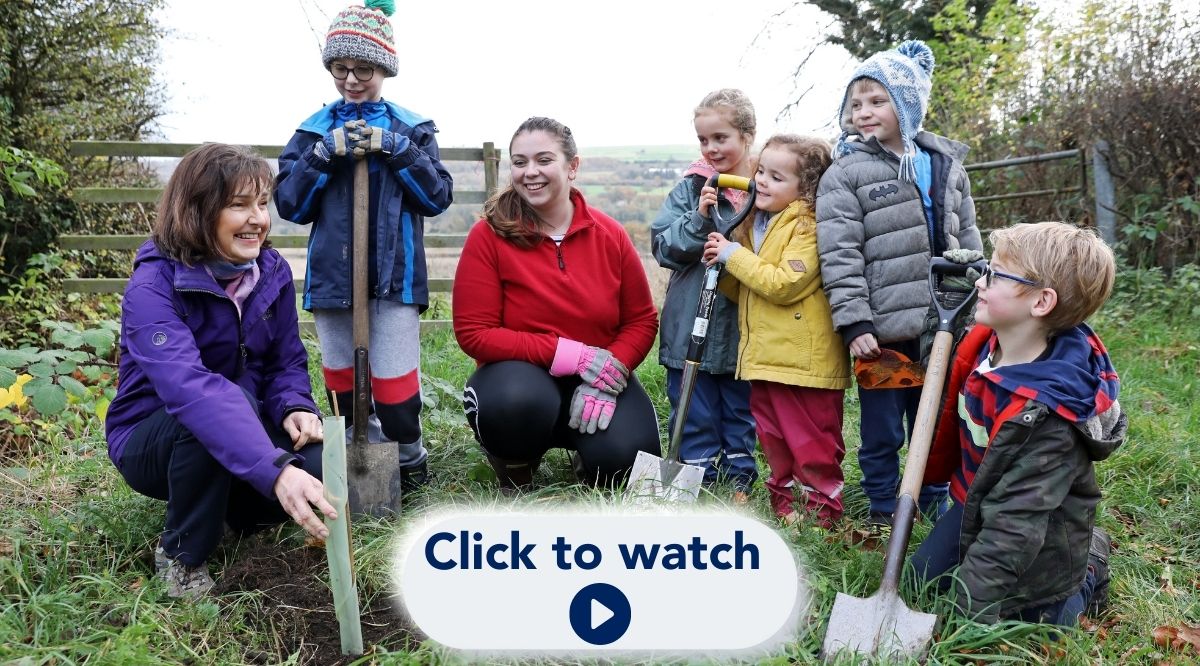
(405, 188)
(183, 346)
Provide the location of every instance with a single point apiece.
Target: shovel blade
(879, 625)
(374, 478)
(653, 479)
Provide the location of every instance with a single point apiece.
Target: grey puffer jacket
(875, 242)
(677, 237)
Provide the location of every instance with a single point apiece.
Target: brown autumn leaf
(1177, 638)
(6, 548)
(313, 542)
(1092, 627)
(1162, 501)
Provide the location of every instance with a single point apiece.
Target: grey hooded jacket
(875, 242)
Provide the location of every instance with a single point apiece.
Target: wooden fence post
(491, 168)
(1106, 200)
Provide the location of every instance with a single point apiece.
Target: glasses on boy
(362, 73)
(989, 275)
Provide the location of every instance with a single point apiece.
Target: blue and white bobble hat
(905, 72)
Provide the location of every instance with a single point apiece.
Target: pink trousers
(800, 429)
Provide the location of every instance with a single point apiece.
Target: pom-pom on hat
(365, 34)
(905, 72)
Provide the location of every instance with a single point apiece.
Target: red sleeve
(945, 454)
(639, 318)
(478, 307)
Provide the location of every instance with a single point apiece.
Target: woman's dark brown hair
(508, 213)
(204, 182)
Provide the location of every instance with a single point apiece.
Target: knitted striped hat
(363, 33)
(906, 73)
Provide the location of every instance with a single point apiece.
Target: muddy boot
(513, 474)
(1098, 554)
(183, 582)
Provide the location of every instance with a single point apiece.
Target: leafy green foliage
(868, 26)
(34, 206)
(63, 389)
(1123, 72)
(37, 296)
(79, 69)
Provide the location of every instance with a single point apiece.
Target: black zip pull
(562, 266)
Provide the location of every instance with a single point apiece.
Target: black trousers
(163, 460)
(518, 412)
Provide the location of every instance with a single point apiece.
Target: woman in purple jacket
(214, 411)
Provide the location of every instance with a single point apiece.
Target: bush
(34, 208)
(1125, 73)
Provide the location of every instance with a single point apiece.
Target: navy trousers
(164, 460)
(718, 434)
(888, 417)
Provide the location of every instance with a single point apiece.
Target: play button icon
(600, 614)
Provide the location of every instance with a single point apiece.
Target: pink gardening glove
(591, 409)
(598, 367)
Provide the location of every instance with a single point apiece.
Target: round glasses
(989, 275)
(362, 73)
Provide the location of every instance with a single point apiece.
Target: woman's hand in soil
(304, 428)
(298, 491)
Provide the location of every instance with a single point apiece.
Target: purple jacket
(183, 347)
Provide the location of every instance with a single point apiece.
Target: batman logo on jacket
(883, 191)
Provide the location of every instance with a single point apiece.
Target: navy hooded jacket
(404, 188)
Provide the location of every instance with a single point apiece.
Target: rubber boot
(414, 470)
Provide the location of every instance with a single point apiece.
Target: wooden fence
(488, 155)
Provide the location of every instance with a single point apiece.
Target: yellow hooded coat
(787, 333)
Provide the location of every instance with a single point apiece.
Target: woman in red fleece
(550, 298)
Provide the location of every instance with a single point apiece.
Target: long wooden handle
(359, 260)
(360, 254)
(927, 412)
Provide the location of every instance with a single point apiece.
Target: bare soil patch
(298, 606)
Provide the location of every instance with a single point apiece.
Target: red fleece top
(512, 303)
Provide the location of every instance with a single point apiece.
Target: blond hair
(736, 103)
(1072, 261)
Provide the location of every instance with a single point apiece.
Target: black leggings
(518, 412)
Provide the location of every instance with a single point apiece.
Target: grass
(75, 542)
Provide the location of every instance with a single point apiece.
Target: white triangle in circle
(600, 614)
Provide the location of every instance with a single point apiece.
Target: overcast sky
(619, 72)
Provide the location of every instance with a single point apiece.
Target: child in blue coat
(407, 183)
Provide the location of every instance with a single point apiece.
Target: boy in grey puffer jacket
(894, 196)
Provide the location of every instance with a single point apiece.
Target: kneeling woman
(550, 298)
(214, 411)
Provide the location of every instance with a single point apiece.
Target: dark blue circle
(612, 599)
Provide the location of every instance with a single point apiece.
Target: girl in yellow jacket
(796, 363)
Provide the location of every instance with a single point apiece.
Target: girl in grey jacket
(719, 432)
